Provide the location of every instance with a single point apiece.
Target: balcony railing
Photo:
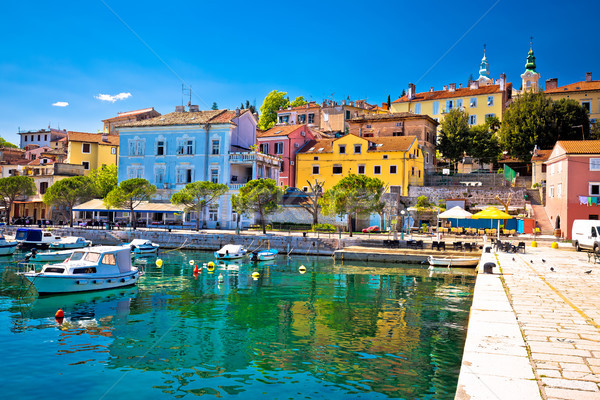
(250, 157)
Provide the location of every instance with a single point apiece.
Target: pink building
(573, 183)
(284, 141)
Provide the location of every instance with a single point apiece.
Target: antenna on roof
(186, 91)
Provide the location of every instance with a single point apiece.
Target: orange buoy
(196, 269)
(59, 314)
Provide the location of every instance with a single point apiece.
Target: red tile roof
(461, 92)
(580, 146)
(542, 155)
(112, 140)
(188, 118)
(394, 143)
(310, 105)
(127, 114)
(279, 130)
(575, 87)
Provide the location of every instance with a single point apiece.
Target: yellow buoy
(534, 244)
(159, 262)
(211, 264)
(554, 245)
(255, 275)
(302, 269)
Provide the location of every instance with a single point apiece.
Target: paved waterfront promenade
(534, 332)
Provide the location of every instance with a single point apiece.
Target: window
(337, 169)
(385, 156)
(189, 147)
(487, 116)
(357, 148)
(473, 119)
(302, 119)
(436, 108)
(283, 119)
(160, 148)
(316, 158)
(135, 171)
(264, 148)
(418, 108)
(113, 150)
(86, 164)
(136, 147)
(32, 138)
(279, 148)
(39, 138)
(213, 212)
(412, 171)
(109, 259)
(426, 158)
(342, 148)
(544, 166)
(215, 147)
(559, 167)
(594, 188)
(490, 100)
(315, 170)
(587, 105)
(159, 176)
(392, 169)
(185, 175)
(46, 138)
(551, 191)
(449, 105)
(559, 190)
(368, 126)
(214, 175)
(85, 148)
(377, 169)
(459, 103)
(281, 167)
(185, 147)
(473, 102)
(25, 138)
(361, 169)
(347, 114)
(43, 187)
(311, 118)
(594, 164)
(399, 124)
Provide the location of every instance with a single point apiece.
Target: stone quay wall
(478, 195)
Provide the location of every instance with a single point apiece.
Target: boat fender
(302, 269)
(191, 262)
(159, 262)
(255, 275)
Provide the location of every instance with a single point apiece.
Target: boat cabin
(102, 260)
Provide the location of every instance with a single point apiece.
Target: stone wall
(478, 195)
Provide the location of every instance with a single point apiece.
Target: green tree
(104, 179)
(196, 196)
(311, 202)
(595, 131)
(389, 103)
(4, 143)
(493, 123)
(572, 121)
(268, 111)
(129, 194)
(67, 193)
(485, 146)
(455, 138)
(352, 195)
(403, 93)
(214, 106)
(298, 101)
(528, 121)
(259, 197)
(13, 187)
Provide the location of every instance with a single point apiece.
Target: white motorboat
(231, 252)
(34, 238)
(95, 268)
(7, 247)
(70, 242)
(457, 262)
(143, 247)
(264, 255)
(48, 256)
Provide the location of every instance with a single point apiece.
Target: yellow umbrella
(491, 213)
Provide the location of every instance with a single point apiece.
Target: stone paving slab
(535, 321)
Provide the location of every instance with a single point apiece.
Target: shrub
(323, 227)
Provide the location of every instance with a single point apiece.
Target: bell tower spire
(484, 70)
(530, 78)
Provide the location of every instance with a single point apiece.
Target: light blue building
(186, 146)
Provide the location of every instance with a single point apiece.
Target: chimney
(502, 82)
(431, 89)
(460, 85)
(237, 112)
(445, 88)
(179, 108)
(588, 76)
(474, 85)
(452, 87)
(104, 137)
(194, 108)
(551, 83)
(411, 91)
(343, 102)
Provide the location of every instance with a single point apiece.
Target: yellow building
(586, 93)
(92, 150)
(481, 99)
(397, 161)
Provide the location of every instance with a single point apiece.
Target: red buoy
(59, 314)
(196, 269)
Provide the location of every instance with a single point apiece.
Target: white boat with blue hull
(34, 238)
(70, 242)
(48, 256)
(264, 255)
(143, 247)
(96, 268)
(231, 252)
(7, 247)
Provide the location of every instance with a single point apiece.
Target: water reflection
(333, 332)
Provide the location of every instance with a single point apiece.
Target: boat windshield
(86, 256)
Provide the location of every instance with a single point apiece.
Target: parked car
(371, 229)
(586, 235)
(294, 192)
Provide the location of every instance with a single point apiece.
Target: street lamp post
(402, 232)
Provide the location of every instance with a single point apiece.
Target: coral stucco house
(573, 183)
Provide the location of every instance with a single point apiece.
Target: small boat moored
(141, 247)
(70, 242)
(230, 252)
(457, 262)
(7, 247)
(28, 238)
(48, 256)
(96, 268)
(264, 255)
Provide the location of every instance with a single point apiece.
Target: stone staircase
(543, 222)
(533, 196)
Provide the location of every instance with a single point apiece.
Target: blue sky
(229, 52)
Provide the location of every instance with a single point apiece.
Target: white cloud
(112, 98)
(60, 104)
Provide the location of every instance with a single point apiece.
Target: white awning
(144, 207)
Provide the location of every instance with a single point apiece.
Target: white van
(586, 235)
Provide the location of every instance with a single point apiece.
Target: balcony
(251, 157)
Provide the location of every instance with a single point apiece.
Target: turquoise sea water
(335, 332)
